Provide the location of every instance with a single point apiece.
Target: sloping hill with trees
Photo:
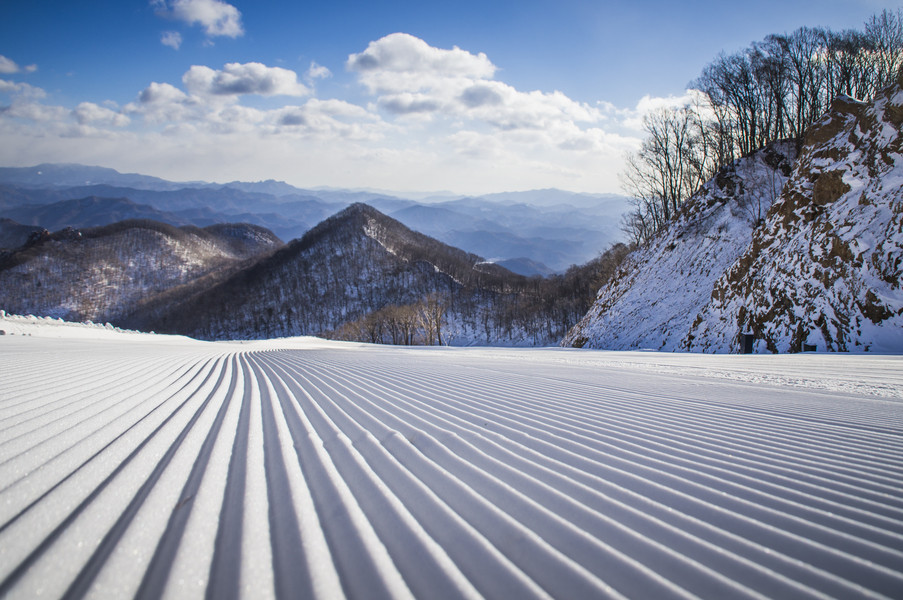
(803, 259)
(826, 269)
(775, 89)
(103, 273)
(361, 275)
(650, 302)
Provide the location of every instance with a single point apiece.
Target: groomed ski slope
(146, 466)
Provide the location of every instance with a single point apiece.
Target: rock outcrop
(822, 267)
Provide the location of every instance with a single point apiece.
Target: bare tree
(674, 160)
(431, 315)
(885, 34)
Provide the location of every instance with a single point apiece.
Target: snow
(823, 267)
(664, 285)
(146, 465)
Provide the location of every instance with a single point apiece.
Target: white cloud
(212, 107)
(317, 72)
(408, 103)
(88, 113)
(161, 103)
(633, 118)
(435, 118)
(25, 105)
(237, 79)
(327, 120)
(9, 66)
(216, 17)
(416, 83)
(34, 111)
(173, 39)
(402, 63)
(21, 90)
(159, 93)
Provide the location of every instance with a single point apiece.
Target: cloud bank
(425, 118)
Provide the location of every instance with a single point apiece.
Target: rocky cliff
(808, 256)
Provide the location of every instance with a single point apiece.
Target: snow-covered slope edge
(650, 302)
(826, 269)
(823, 268)
(313, 469)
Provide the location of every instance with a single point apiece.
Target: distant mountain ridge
(56, 175)
(358, 275)
(552, 229)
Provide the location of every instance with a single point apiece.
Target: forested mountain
(91, 211)
(104, 273)
(337, 278)
(823, 267)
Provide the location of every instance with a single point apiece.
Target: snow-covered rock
(823, 269)
(826, 269)
(650, 302)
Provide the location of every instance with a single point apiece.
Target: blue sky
(471, 97)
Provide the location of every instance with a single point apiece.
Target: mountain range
(536, 233)
(795, 246)
(358, 275)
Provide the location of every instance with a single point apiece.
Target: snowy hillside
(647, 303)
(827, 267)
(352, 264)
(823, 268)
(138, 466)
(105, 273)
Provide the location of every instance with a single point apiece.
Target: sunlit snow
(141, 465)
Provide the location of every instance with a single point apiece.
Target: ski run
(134, 465)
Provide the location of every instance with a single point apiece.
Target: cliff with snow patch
(826, 268)
(650, 302)
(823, 267)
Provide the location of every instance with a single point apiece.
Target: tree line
(535, 310)
(774, 89)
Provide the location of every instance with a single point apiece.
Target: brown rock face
(826, 267)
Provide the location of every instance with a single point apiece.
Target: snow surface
(134, 465)
(652, 302)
